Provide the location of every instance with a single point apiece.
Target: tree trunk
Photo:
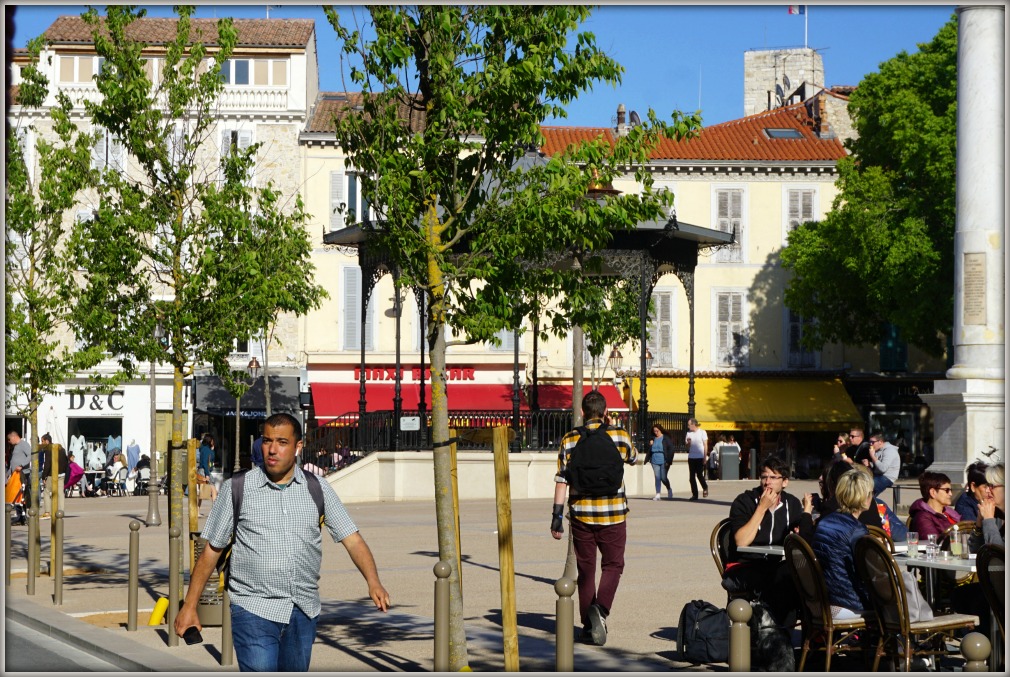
(578, 351)
(445, 515)
(266, 371)
(176, 467)
(36, 494)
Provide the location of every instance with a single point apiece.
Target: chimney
(622, 126)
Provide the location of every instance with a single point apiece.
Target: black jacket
(775, 525)
(45, 460)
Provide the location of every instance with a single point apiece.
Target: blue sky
(667, 50)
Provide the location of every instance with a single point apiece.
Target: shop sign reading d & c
(90, 403)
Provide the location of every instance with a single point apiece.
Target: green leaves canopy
(885, 253)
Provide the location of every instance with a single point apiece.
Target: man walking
(697, 456)
(885, 462)
(21, 457)
(597, 519)
(276, 556)
(45, 462)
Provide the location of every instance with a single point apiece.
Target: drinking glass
(913, 544)
(963, 538)
(955, 545)
(931, 546)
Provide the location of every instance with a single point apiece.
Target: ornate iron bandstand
(642, 256)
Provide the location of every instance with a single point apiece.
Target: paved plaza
(668, 564)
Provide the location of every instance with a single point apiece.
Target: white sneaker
(656, 497)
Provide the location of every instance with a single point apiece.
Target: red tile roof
(157, 31)
(557, 139)
(331, 105)
(742, 140)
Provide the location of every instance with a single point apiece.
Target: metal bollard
(8, 509)
(131, 604)
(739, 611)
(32, 526)
(564, 651)
(442, 571)
(174, 545)
(975, 647)
(57, 550)
(227, 647)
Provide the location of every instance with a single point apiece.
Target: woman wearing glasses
(841, 444)
(932, 513)
(991, 511)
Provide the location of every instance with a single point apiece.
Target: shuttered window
(729, 219)
(352, 312)
(731, 339)
(508, 342)
(108, 152)
(238, 139)
(801, 207)
(337, 205)
(661, 329)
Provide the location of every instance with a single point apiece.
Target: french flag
(797, 9)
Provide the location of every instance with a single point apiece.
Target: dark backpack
(703, 633)
(595, 465)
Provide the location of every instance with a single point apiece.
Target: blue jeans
(880, 482)
(268, 646)
(659, 470)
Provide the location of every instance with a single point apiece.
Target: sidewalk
(668, 563)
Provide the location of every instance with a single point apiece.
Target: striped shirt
(278, 548)
(598, 509)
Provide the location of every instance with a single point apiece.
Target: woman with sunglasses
(932, 513)
(841, 444)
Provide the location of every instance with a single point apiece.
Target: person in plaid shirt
(597, 523)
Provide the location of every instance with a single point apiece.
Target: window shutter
(336, 200)
(352, 308)
(794, 209)
(507, 338)
(98, 155)
(730, 220)
(117, 155)
(661, 329)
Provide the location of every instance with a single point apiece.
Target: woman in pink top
(932, 513)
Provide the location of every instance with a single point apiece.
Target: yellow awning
(758, 403)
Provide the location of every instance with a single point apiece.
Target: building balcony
(243, 101)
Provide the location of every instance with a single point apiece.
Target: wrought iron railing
(349, 437)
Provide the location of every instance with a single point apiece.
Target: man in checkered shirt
(597, 523)
(276, 557)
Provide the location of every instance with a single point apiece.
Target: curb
(129, 655)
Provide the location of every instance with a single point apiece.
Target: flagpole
(806, 18)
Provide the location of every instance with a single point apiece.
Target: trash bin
(729, 463)
(210, 608)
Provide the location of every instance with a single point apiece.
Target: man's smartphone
(192, 635)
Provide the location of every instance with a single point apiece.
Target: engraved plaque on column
(973, 289)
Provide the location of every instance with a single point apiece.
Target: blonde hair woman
(835, 536)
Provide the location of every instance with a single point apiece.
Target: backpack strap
(316, 490)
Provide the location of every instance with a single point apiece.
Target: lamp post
(153, 489)
(253, 369)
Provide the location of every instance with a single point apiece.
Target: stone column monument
(968, 407)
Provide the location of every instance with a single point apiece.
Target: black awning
(212, 397)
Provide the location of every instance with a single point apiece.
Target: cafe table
(779, 551)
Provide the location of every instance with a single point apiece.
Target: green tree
(885, 253)
(452, 96)
(179, 238)
(40, 351)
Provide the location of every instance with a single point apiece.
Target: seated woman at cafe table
(932, 513)
(991, 512)
(879, 514)
(975, 490)
(835, 536)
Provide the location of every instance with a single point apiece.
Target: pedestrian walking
(661, 458)
(276, 556)
(597, 510)
(697, 457)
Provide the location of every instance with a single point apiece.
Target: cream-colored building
(270, 81)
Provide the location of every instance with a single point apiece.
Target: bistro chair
(719, 543)
(117, 485)
(901, 639)
(991, 566)
(882, 536)
(815, 611)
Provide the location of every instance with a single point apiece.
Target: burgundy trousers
(610, 540)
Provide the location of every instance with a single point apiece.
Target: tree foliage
(42, 194)
(180, 237)
(885, 253)
(452, 99)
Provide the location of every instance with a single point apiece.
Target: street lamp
(253, 369)
(648, 359)
(615, 360)
(153, 489)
